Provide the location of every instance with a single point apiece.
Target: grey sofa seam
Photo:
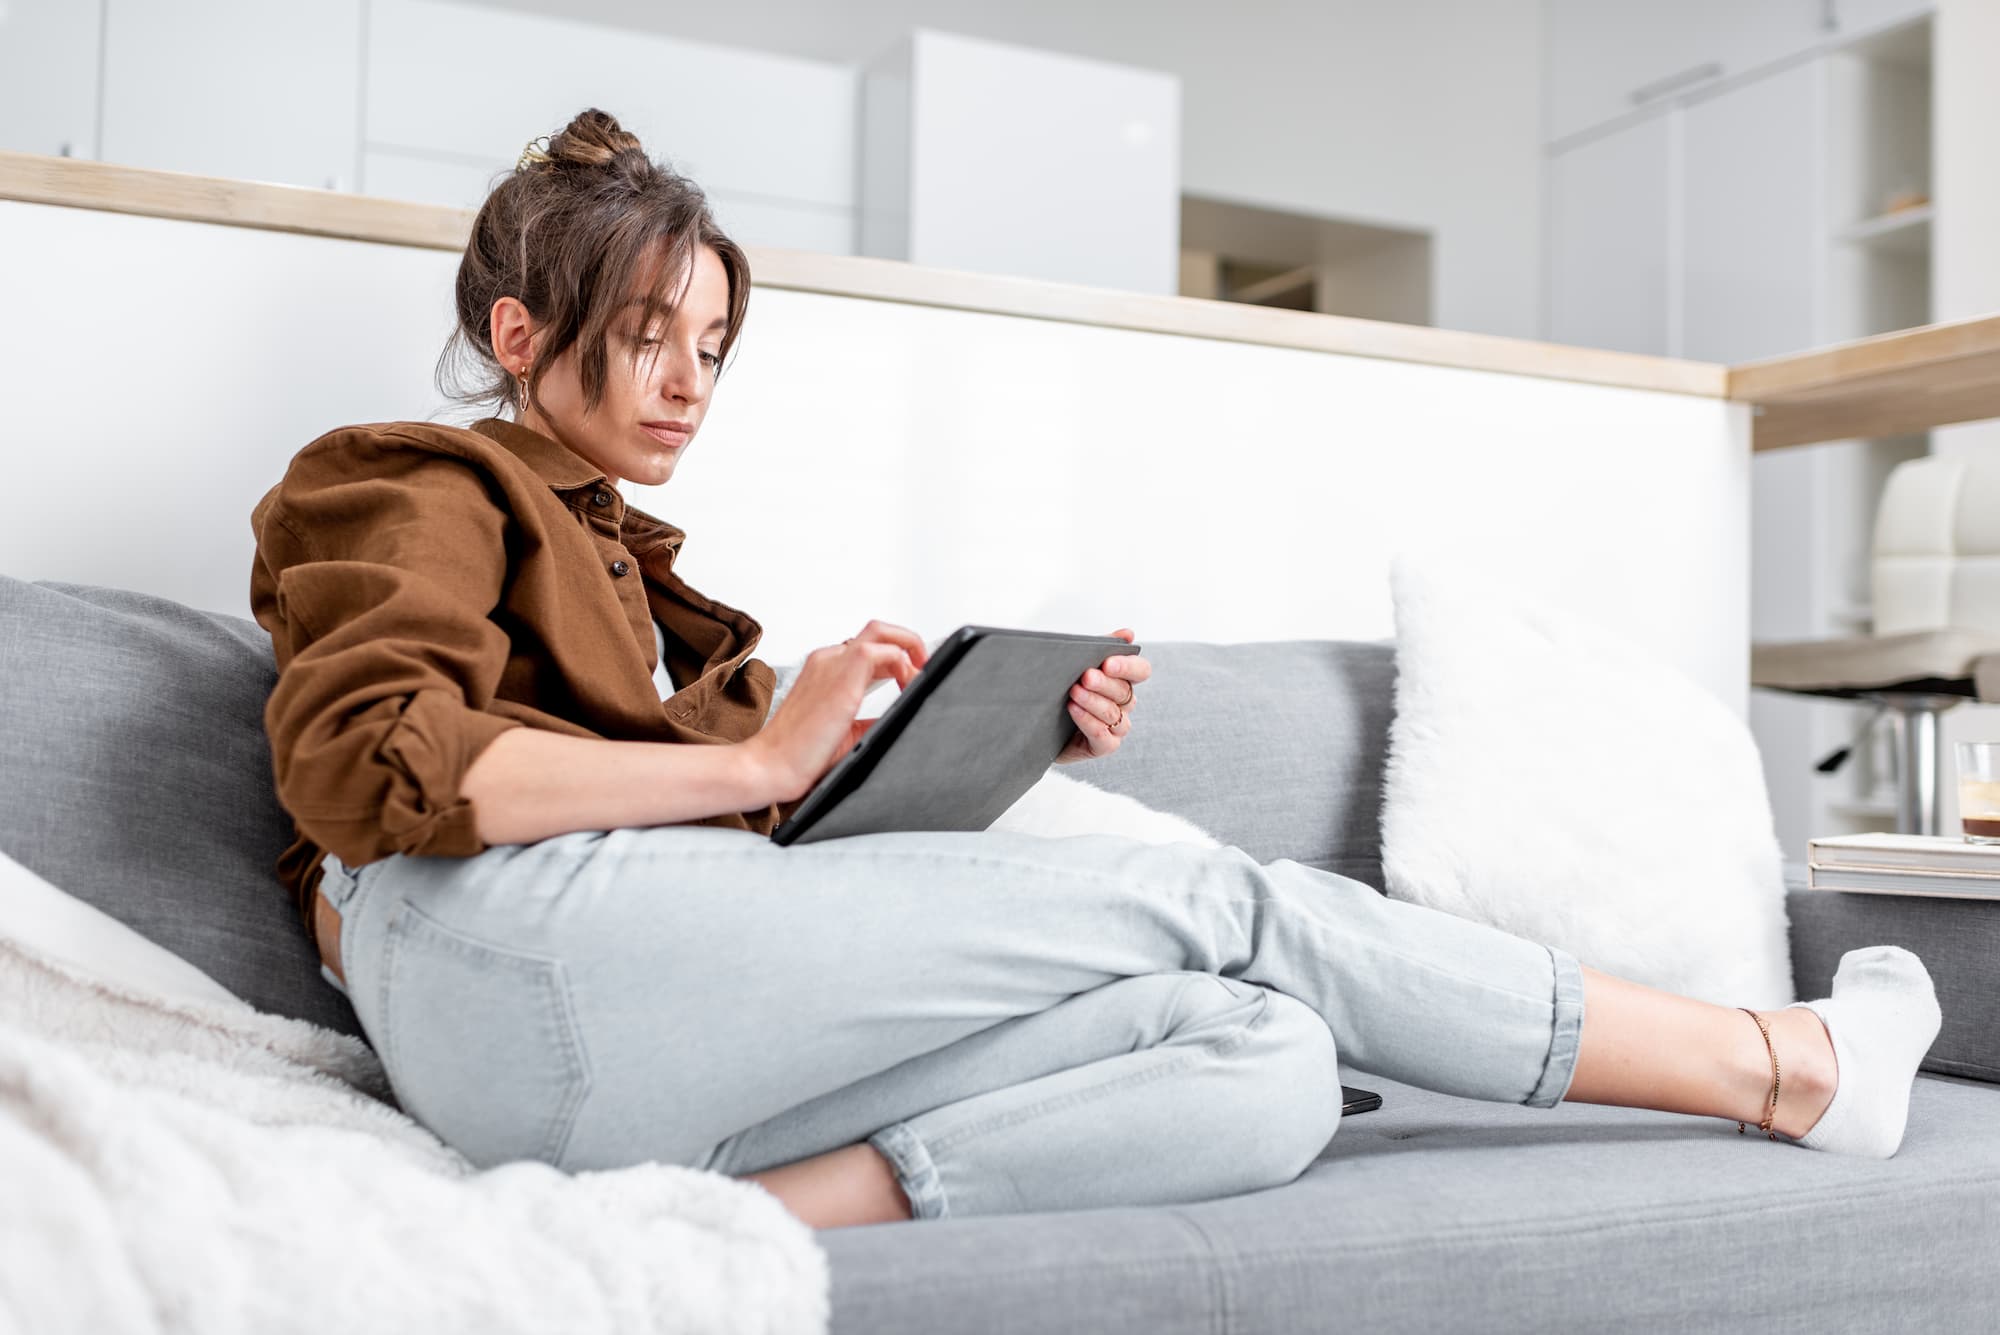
(1707, 1210)
(1221, 1294)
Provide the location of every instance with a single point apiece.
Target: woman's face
(656, 388)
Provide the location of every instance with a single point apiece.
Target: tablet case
(974, 730)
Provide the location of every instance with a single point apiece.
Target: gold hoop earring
(522, 379)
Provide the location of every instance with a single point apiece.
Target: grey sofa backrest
(135, 775)
(1276, 747)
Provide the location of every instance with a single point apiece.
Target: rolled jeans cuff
(914, 1170)
(1567, 1032)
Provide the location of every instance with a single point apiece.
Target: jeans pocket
(480, 1041)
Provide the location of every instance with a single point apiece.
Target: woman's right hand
(814, 725)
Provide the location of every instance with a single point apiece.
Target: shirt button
(601, 498)
(620, 568)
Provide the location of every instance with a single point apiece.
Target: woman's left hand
(1100, 704)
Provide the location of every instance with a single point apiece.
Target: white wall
(1422, 114)
(978, 468)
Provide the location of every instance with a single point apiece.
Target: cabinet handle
(1829, 16)
(1673, 83)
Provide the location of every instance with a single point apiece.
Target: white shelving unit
(1879, 209)
(1780, 200)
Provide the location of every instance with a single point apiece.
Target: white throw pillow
(1060, 805)
(1559, 782)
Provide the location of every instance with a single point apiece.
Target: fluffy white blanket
(174, 1163)
(172, 1159)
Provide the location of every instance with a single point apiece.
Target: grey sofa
(134, 776)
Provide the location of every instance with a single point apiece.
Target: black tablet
(981, 721)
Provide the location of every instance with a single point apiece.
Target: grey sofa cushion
(1436, 1213)
(135, 775)
(1276, 747)
(1958, 941)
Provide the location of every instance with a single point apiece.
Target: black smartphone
(1354, 1100)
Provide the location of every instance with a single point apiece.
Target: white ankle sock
(1882, 1017)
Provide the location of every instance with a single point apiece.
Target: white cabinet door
(1857, 16)
(1600, 53)
(1751, 218)
(1754, 34)
(1607, 261)
(747, 123)
(48, 76)
(1102, 139)
(1752, 224)
(242, 88)
(1605, 58)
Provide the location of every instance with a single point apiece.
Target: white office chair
(1935, 571)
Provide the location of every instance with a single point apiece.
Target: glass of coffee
(1979, 791)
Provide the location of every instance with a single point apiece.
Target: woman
(532, 773)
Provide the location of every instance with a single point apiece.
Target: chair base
(1914, 706)
(1918, 808)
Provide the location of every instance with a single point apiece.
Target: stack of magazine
(1905, 864)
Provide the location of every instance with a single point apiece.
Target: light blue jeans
(1015, 1023)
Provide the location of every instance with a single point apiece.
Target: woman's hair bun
(593, 139)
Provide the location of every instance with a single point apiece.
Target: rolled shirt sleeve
(379, 565)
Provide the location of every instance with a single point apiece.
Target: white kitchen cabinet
(1853, 17)
(1608, 221)
(1598, 53)
(1604, 59)
(1752, 221)
(238, 88)
(747, 124)
(424, 179)
(48, 76)
(1752, 226)
(1077, 182)
(1743, 36)
(1769, 199)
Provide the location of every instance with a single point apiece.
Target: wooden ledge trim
(920, 285)
(1888, 384)
(75, 183)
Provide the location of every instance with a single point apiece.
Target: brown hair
(567, 233)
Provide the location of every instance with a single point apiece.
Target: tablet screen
(980, 722)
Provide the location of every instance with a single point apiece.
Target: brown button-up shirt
(428, 587)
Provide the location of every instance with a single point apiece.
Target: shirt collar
(565, 470)
(642, 533)
(557, 465)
